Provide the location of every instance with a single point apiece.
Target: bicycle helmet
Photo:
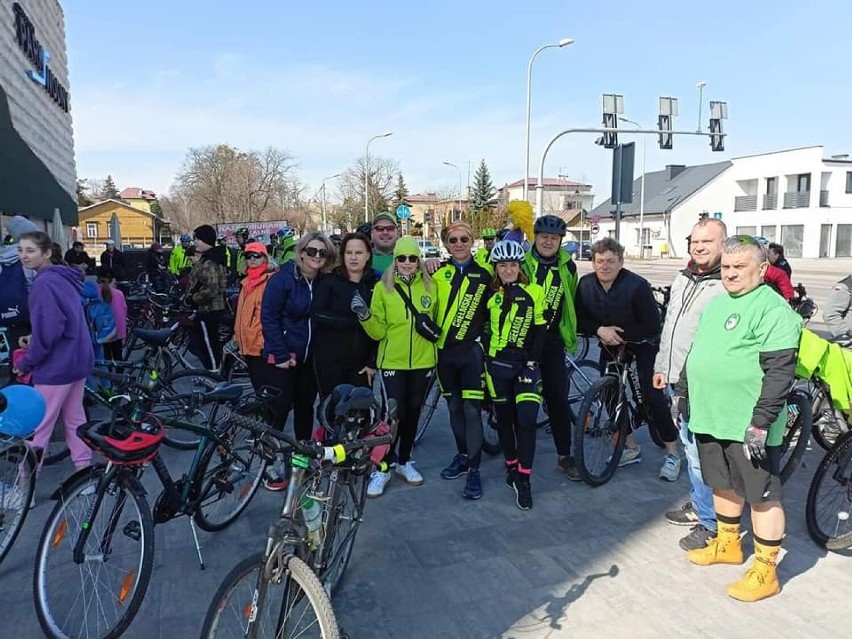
(550, 224)
(124, 441)
(21, 409)
(366, 228)
(349, 410)
(285, 232)
(488, 234)
(242, 232)
(506, 251)
(185, 237)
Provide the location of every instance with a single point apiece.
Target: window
(768, 232)
(843, 243)
(746, 230)
(771, 185)
(792, 238)
(92, 230)
(803, 183)
(849, 181)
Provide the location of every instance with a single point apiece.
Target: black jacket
(114, 261)
(338, 335)
(629, 304)
(155, 262)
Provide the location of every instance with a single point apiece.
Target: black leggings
(408, 388)
(113, 350)
(298, 390)
(655, 399)
(554, 379)
(516, 402)
(460, 369)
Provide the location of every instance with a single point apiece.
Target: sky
(151, 79)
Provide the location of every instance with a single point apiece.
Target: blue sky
(149, 80)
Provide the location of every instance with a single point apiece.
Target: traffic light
(718, 112)
(668, 110)
(613, 106)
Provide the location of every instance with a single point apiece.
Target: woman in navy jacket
(285, 317)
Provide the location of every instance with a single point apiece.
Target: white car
(427, 249)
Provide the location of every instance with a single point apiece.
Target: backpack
(14, 307)
(101, 321)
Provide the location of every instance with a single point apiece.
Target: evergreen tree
(483, 188)
(83, 198)
(156, 209)
(110, 192)
(400, 194)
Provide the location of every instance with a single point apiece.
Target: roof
(545, 182)
(569, 216)
(116, 202)
(135, 193)
(422, 197)
(661, 193)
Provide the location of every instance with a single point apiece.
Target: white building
(565, 198)
(796, 197)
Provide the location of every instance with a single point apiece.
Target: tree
(156, 208)
(400, 194)
(351, 188)
(483, 189)
(83, 198)
(110, 192)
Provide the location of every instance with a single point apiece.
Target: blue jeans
(700, 493)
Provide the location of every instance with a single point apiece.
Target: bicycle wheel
(427, 409)
(582, 374)
(294, 606)
(344, 516)
(603, 422)
(829, 504)
(582, 348)
(796, 434)
(186, 408)
(228, 478)
(490, 437)
(827, 425)
(100, 596)
(17, 483)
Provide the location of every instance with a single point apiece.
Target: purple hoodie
(60, 350)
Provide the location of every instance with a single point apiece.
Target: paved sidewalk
(583, 563)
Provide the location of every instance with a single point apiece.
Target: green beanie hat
(406, 246)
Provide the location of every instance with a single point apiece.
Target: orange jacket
(248, 331)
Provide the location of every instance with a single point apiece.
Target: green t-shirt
(723, 368)
(382, 262)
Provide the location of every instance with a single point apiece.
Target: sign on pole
(403, 212)
(595, 229)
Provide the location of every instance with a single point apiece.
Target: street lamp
(564, 42)
(641, 187)
(367, 174)
(460, 184)
(324, 219)
(700, 86)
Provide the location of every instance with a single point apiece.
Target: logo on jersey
(732, 321)
(425, 301)
(387, 373)
(448, 274)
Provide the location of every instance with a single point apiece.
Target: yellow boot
(761, 580)
(725, 548)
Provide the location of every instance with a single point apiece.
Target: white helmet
(506, 251)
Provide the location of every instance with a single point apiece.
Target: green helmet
(489, 234)
(242, 231)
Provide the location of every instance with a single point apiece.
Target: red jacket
(780, 281)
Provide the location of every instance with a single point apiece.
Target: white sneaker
(378, 481)
(671, 468)
(409, 473)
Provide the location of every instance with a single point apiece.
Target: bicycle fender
(75, 477)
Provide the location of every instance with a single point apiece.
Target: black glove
(359, 307)
(754, 445)
(680, 409)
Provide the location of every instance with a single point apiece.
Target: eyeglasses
(384, 229)
(402, 259)
(456, 240)
(254, 256)
(313, 251)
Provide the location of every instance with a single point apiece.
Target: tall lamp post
(641, 187)
(324, 218)
(367, 174)
(564, 42)
(460, 184)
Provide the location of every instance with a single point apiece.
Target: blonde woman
(401, 317)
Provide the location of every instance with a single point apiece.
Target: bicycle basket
(123, 441)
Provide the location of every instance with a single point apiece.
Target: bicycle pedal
(133, 530)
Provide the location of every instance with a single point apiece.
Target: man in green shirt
(736, 380)
(384, 235)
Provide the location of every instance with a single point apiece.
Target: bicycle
(100, 534)
(829, 422)
(829, 524)
(797, 432)
(581, 375)
(275, 593)
(607, 414)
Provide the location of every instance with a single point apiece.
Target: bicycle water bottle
(312, 513)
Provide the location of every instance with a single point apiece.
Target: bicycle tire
(176, 384)
(607, 390)
(17, 484)
(797, 433)
(838, 457)
(490, 437)
(239, 588)
(351, 493)
(134, 580)
(582, 348)
(825, 427)
(427, 408)
(234, 463)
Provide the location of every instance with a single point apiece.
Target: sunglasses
(313, 251)
(456, 240)
(254, 256)
(402, 259)
(384, 229)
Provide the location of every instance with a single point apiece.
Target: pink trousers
(66, 401)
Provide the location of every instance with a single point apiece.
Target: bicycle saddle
(358, 399)
(156, 337)
(223, 392)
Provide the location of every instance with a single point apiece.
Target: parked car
(427, 249)
(577, 251)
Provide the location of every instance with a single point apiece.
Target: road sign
(595, 229)
(403, 212)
